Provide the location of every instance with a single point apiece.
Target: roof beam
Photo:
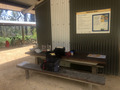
(16, 23)
(14, 8)
(31, 7)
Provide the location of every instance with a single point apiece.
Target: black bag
(51, 58)
(60, 51)
(51, 63)
(50, 66)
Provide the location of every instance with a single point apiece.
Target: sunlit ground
(13, 54)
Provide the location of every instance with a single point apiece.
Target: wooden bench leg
(90, 87)
(27, 74)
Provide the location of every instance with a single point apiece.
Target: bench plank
(67, 74)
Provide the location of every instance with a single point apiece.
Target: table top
(84, 58)
(77, 58)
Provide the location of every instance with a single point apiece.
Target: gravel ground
(13, 78)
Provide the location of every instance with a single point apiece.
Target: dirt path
(12, 78)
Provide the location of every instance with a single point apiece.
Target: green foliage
(34, 34)
(3, 40)
(27, 37)
(18, 37)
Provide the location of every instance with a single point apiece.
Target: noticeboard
(96, 21)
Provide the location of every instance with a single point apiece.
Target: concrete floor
(13, 78)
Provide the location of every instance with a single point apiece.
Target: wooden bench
(91, 79)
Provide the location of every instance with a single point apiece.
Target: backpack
(51, 63)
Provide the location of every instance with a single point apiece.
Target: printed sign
(97, 21)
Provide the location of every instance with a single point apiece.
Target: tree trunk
(32, 19)
(25, 19)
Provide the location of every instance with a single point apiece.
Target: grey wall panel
(96, 43)
(60, 23)
(43, 19)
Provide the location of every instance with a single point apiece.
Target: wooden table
(80, 59)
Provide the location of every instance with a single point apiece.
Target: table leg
(94, 69)
(36, 60)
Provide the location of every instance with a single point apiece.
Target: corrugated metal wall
(96, 43)
(60, 23)
(92, 43)
(119, 32)
(43, 19)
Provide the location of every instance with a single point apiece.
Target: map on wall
(97, 21)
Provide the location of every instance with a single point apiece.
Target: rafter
(14, 8)
(31, 7)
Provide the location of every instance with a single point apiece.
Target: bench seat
(64, 73)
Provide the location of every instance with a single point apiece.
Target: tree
(10, 15)
(25, 19)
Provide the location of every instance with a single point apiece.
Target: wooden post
(27, 74)
(23, 34)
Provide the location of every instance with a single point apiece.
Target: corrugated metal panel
(96, 43)
(60, 23)
(119, 32)
(43, 25)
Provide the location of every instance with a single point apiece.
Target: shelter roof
(20, 5)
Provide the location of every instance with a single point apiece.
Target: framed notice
(100, 22)
(96, 21)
